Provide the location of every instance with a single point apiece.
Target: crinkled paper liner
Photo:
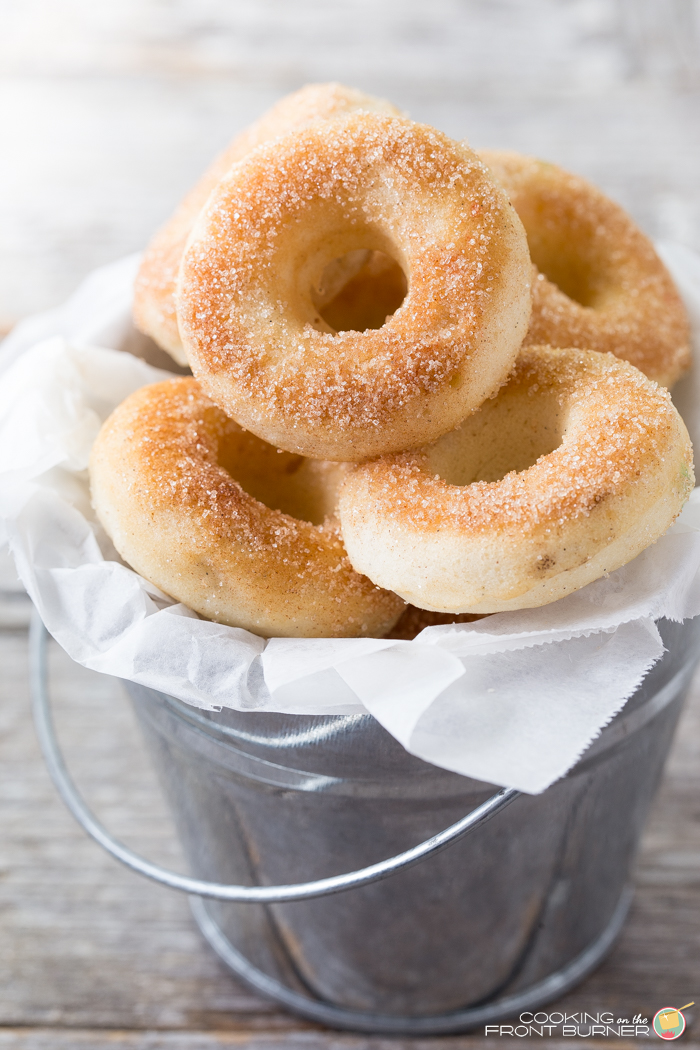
(513, 699)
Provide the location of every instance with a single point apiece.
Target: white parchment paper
(513, 699)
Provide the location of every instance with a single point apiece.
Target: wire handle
(43, 721)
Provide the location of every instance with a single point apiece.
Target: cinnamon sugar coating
(599, 283)
(255, 338)
(180, 489)
(576, 466)
(154, 292)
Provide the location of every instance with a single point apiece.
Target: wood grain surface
(108, 112)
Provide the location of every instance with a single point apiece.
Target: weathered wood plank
(51, 1039)
(105, 119)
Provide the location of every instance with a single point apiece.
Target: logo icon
(669, 1023)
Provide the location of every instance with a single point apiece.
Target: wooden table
(107, 112)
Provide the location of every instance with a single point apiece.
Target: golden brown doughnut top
(253, 335)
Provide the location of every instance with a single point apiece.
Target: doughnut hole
(508, 433)
(304, 488)
(359, 290)
(568, 271)
(566, 246)
(339, 276)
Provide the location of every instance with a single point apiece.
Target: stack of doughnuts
(420, 375)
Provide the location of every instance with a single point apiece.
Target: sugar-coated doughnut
(154, 293)
(600, 285)
(227, 524)
(414, 620)
(255, 338)
(576, 466)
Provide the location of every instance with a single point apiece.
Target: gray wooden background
(110, 108)
(108, 111)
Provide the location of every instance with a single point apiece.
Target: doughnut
(599, 284)
(414, 620)
(230, 526)
(154, 292)
(259, 253)
(576, 466)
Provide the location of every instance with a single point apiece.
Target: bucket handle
(48, 743)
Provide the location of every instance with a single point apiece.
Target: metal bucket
(505, 920)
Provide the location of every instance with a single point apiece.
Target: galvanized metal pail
(498, 923)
